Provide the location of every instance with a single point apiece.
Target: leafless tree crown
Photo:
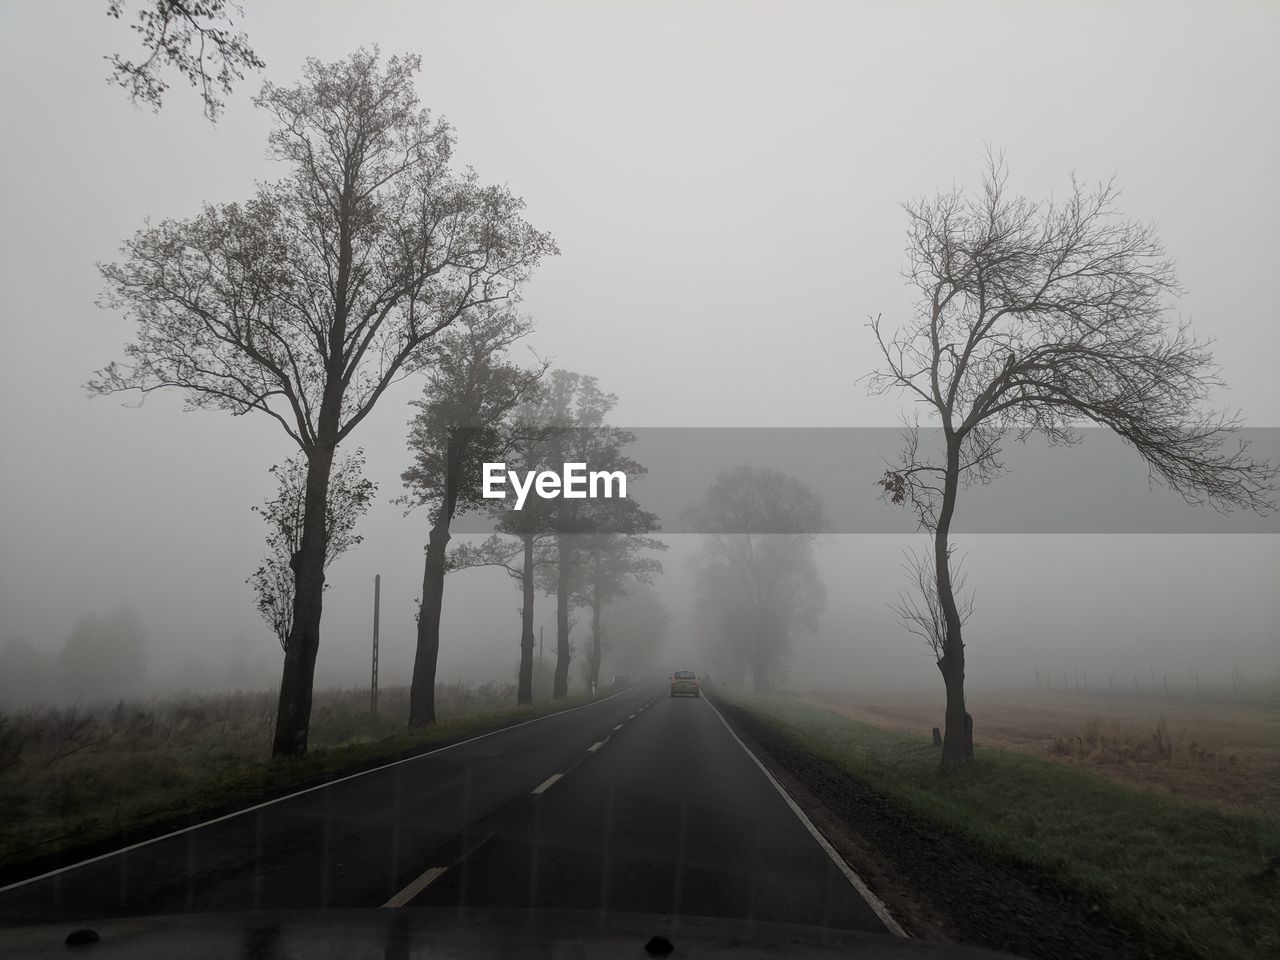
(1042, 317)
(323, 289)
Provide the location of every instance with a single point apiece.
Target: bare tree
(613, 565)
(756, 577)
(523, 547)
(462, 422)
(571, 416)
(1038, 318)
(196, 38)
(307, 302)
(524, 543)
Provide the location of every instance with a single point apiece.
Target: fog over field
(725, 191)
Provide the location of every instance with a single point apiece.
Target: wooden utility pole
(373, 684)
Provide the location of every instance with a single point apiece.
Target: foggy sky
(724, 182)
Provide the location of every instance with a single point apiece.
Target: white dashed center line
(415, 888)
(617, 728)
(595, 746)
(546, 784)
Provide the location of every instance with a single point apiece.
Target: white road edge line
(299, 793)
(874, 902)
(545, 785)
(412, 890)
(596, 746)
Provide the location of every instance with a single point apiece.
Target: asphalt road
(637, 803)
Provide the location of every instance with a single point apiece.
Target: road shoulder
(937, 886)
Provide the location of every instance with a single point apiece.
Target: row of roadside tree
(373, 258)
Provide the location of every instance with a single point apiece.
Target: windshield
(744, 463)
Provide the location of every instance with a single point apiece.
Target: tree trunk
(422, 692)
(760, 681)
(560, 685)
(596, 644)
(759, 658)
(957, 741)
(525, 688)
(293, 710)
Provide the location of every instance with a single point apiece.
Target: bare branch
(194, 37)
(920, 608)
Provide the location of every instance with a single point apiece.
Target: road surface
(636, 803)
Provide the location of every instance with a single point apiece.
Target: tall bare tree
(1040, 317)
(462, 423)
(306, 302)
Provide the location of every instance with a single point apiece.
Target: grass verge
(105, 800)
(1182, 877)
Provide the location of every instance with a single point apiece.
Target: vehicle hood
(447, 934)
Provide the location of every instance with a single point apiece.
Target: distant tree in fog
(305, 303)
(574, 411)
(725, 622)
(104, 657)
(194, 37)
(563, 421)
(756, 578)
(598, 542)
(609, 566)
(26, 674)
(1043, 317)
(634, 625)
(463, 421)
(349, 497)
(524, 542)
(604, 567)
(520, 549)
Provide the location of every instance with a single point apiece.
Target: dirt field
(1221, 754)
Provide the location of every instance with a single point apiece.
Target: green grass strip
(1176, 873)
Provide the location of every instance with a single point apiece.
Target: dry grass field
(72, 775)
(1223, 754)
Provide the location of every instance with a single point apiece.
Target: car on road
(684, 682)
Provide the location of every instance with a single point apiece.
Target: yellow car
(684, 681)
